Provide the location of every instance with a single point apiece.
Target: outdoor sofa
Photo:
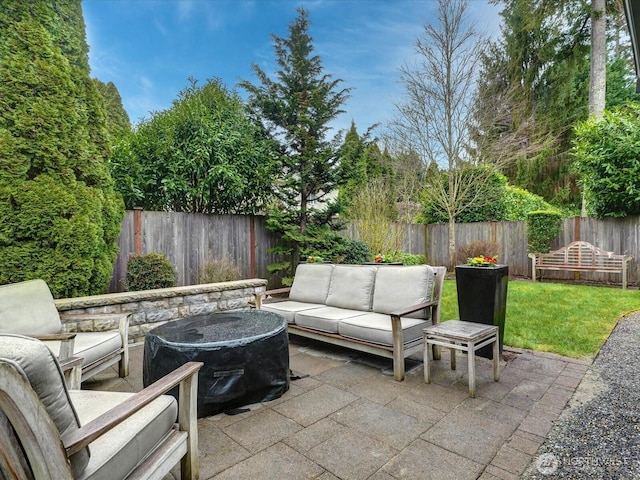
(378, 309)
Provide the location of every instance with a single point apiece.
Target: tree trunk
(598, 79)
(598, 75)
(452, 242)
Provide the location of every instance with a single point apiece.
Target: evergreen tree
(59, 215)
(118, 123)
(534, 88)
(296, 109)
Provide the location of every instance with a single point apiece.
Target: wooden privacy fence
(619, 235)
(190, 239)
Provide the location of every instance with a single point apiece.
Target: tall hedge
(542, 227)
(59, 214)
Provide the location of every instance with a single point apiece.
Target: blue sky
(149, 48)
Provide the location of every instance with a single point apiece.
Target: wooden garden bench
(581, 257)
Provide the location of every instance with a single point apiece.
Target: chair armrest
(78, 439)
(66, 342)
(57, 337)
(72, 370)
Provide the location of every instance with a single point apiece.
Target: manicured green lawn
(571, 320)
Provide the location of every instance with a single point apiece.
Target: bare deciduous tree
(434, 119)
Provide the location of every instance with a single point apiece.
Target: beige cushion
(27, 308)
(116, 453)
(41, 370)
(351, 287)
(401, 287)
(311, 283)
(288, 309)
(325, 319)
(91, 346)
(376, 328)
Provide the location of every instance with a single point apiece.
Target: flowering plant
(314, 259)
(379, 258)
(482, 261)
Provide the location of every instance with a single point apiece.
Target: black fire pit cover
(245, 355)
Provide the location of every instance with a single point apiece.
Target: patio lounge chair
(27, 308)
(50, 432)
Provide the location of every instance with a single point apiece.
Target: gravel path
(598, 434)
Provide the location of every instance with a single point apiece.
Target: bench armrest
(186, 376)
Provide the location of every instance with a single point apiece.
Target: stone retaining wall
(151, 308)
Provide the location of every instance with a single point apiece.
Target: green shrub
(357, 251)
(150, 271)
(518, 203)
(405, 258)
(542, 227)
(220, 270)
(607, 153)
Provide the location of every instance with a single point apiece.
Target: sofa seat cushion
(116, 453)
(401, 287)
(376, 328)
(91, 346)
(27, 308)
(325, 319)
(288, 309)
(311, 283)
(352, 287)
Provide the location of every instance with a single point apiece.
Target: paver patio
(349, 419)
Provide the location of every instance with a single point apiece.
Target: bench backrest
(582, 254)
(27, 308)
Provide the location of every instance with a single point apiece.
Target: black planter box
(482, 297)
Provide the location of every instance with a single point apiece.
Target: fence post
(252, 246)
(137, 230)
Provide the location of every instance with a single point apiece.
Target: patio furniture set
(50, 428)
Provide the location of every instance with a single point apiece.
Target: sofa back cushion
(39, 367)
(401, 287)
(27, 308)
(352, 287)
(311, 283)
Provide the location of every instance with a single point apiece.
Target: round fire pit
(245, 355)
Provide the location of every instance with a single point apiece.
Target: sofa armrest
(414, 308)
(262, 296)
(186, 376)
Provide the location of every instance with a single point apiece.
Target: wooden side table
(467, 337)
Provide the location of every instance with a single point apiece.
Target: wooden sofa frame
(580, 256)
(398, 352)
